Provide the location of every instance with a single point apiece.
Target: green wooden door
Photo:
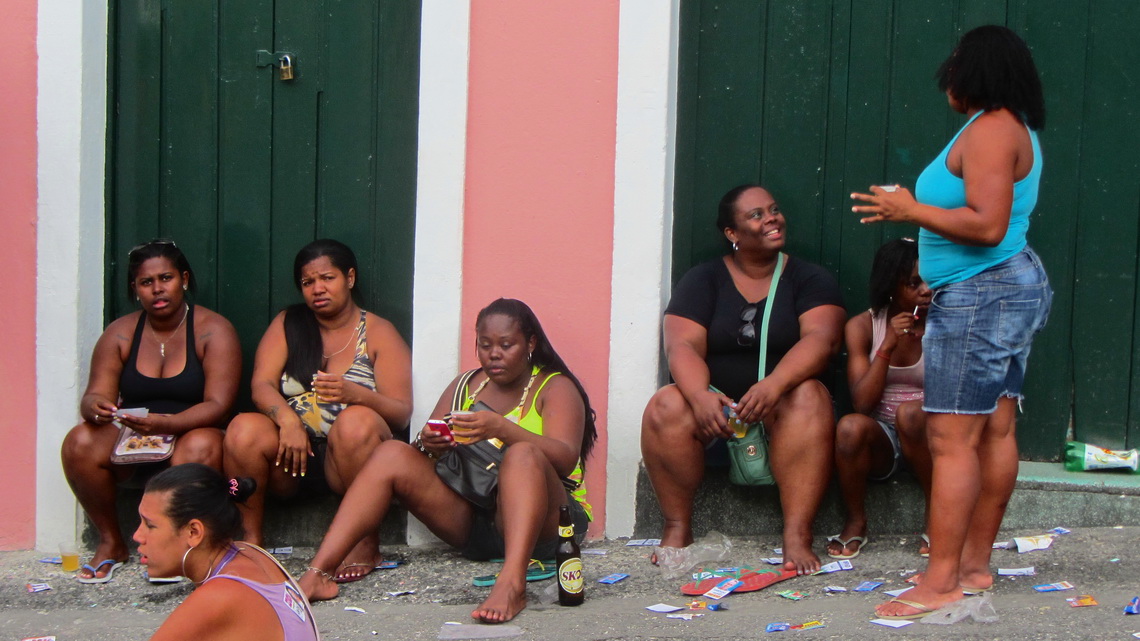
(816, 99)
(208, 146)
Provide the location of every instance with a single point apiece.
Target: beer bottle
(571, 583)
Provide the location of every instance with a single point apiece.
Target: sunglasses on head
(157, 241)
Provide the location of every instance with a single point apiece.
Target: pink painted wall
(18, 264)
(538, 220)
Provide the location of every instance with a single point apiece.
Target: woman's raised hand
(332, 388)
(435, 441)
(891, 203)
(479, 426)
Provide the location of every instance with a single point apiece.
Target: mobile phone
(442, 427)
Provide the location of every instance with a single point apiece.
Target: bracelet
(880, 354)
(419, 443)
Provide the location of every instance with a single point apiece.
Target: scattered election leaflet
(1081, 601)
(1054, 587)
(613, 578)
(721, 590)
(1029, 571)
(38, 587)
(891, 623)
(1031, 543)
(1002, 545)
(867, 586)
(1061, 530)
(1133, 606)
(663, 607)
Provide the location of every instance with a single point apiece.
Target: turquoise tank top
(942, 261)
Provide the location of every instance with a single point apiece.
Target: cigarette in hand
(915, 312)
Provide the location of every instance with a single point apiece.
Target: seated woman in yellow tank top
(543, 416)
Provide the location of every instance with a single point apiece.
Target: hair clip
(233, 487)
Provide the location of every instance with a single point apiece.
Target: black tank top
(163, 395)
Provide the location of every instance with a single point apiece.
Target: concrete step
(1046, 496)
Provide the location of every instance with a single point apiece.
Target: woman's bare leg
(250, 449)
(530, 494)
(862, 449)
(86, 457)
(675, 461)
(956, 484)
(395, 470)
(998, 458)
(802, 440)
(353, 437)
(910, 421)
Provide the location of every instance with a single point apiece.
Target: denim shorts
(978, 335)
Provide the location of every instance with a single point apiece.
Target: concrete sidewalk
(1100, 561)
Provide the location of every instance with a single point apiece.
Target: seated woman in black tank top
(180, 361)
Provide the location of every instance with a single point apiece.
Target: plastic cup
(69, 554)
(458, 432)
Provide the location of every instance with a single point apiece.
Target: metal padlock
(285, 66)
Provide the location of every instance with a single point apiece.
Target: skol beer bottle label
(570, 575)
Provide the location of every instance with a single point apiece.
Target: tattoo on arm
(271, 412)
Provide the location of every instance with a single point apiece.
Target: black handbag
(472, 469)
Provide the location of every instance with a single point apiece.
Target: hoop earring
(735, 247)
(529, 356)
(184, 555)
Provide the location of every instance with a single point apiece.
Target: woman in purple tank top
(189, 523)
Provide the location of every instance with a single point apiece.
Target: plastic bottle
(1080, 457)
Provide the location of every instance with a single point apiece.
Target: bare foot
(361, 561)
(105, 550)
(850, 530)
(921, 594)
(674, 535)
(974, 582)
(506, 600)
(318, 585)
(798, 555)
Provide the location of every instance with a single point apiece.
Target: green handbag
(748, 454)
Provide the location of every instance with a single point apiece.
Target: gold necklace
(154, 334)
(522, 401)
(346, 344)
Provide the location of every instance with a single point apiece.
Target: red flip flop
(749, 581)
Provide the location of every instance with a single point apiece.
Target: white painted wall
(643, 224)
(438, 282)
(71, 132)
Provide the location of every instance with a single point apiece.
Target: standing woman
(332, 382)
(991, 296)
(179, 360)
(189, 526)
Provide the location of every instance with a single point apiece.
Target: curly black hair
(992, 68)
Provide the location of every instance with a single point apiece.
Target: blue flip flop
(536, 571)
(115, 565)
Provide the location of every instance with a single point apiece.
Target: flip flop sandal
(968, 591)
(749, 581)
(861, 540)
(157, 580)
(926, 538)
(923, 611)
(115, 565)
(386, 564)
(536, 571)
